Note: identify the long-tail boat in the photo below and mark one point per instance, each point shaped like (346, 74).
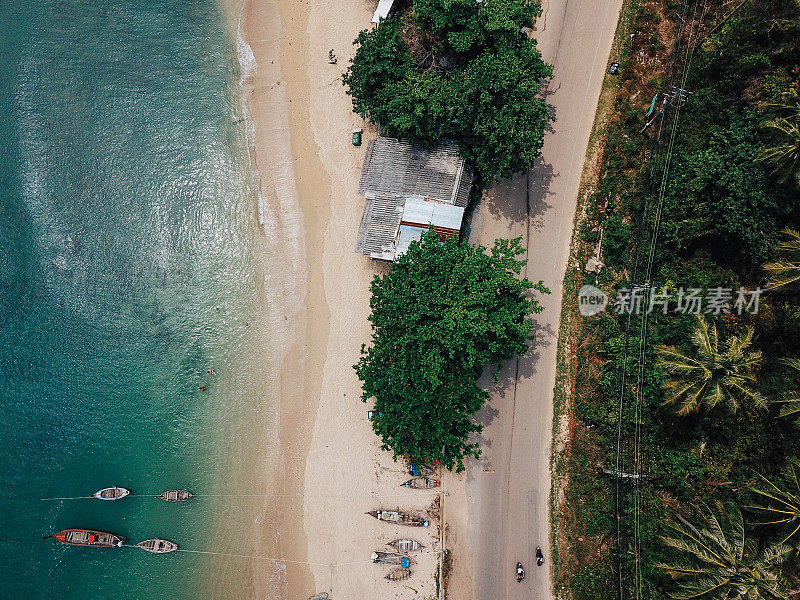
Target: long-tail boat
(405, 545)
(398, 574)
(422, 483)
(420, 470)
(157, 546)
(88, 537)
(176, 495)
(111, 493)
(391, 558)
(401, 518)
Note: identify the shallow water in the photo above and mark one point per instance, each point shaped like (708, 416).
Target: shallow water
(129, 265)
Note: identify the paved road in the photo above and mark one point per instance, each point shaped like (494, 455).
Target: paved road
(509, 486)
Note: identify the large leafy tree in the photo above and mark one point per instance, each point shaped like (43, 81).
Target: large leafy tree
(461, 69)
(780, 500)
(720, 562)
(467, 26)
(502, 116)
(440, 315)
(713, 373)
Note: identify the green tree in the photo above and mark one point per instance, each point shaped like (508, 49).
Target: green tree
(382, 63)
(786, 269)
(780, 502)
(721, 197)
(713, 373)
(460, 69)
(466, 26)
(502, 118)
(440, 315)
(720, 562)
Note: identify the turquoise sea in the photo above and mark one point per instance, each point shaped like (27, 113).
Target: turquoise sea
(129, 265)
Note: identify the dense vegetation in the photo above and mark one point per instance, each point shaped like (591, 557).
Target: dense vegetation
(460, 69)
(440, 316)
(708, 405)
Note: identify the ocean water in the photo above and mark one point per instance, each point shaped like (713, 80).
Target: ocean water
(130, 263)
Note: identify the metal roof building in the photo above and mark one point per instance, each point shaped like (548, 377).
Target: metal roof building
(407, 188)
(382, 11)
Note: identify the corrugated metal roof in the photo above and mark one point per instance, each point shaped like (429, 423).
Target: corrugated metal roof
(406, 235)
(420, 185)
(430, 212)
(400, 167)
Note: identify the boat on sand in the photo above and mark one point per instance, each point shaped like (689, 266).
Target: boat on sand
(111, 493)
(176, 495)
(405, 545)
(400, 518)
(320, 596)
(391, 558)
(398, 574)
(92, 538)
(157, 546)
(422, 483)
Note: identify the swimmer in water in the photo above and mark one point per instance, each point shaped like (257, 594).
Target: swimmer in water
(202, 388)
(211, 372)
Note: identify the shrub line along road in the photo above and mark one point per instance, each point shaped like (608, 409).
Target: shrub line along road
(508, 488)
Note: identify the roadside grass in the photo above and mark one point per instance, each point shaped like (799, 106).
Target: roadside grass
(580, 548)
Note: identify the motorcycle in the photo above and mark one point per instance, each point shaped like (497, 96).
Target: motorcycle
(520, 572)
(539, 556)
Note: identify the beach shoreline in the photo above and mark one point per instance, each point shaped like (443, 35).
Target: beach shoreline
(332, 469)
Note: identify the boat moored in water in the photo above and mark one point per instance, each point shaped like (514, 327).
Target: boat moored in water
(401, 518)
(92, 538)
(176, 495)
(157, 546)
(111, 493)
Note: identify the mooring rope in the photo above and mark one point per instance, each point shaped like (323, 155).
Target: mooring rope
(418, 493)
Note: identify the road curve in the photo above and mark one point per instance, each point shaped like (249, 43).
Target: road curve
(508, 488)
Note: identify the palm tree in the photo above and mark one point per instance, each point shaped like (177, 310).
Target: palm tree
(721, 563)
(715, 373)
(786, 269)
(784, 151)
(790, 404)
(781, 500)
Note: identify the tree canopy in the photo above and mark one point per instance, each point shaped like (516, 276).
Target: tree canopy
(460, 69)
(440, 315)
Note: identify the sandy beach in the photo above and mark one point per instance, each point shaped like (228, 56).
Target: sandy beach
(311, 209)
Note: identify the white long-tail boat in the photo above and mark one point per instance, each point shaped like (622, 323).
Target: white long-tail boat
(157, 546)
(111, 493)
